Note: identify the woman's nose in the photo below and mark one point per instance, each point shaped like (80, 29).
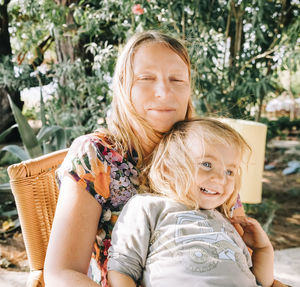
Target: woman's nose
(162, 89)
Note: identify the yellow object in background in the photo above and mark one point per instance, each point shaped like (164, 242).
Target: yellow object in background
(255, 134)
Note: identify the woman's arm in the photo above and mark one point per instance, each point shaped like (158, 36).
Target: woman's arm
(72, 236)
(263, 255)
(117, 279)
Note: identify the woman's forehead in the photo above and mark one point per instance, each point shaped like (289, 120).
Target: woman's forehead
(152, 54)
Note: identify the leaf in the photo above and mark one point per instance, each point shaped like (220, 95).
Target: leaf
(42, 106)
(17, 151)
(7, 132)
(46, 132)
(27, 134)
(5, 187)
(61, 139)
(10, 213)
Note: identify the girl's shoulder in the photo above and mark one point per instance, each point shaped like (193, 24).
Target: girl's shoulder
(154, 202)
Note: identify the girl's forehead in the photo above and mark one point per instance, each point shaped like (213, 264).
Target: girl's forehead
(204, 145)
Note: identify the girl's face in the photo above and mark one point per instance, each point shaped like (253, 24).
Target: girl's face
(217, 171)
(161, 86)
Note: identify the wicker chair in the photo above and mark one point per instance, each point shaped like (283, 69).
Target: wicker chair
(36, 193)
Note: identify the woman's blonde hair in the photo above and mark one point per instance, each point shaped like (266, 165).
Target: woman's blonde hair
(172, 171)
(124, 117)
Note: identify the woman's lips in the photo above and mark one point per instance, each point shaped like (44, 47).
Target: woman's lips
(162, 109)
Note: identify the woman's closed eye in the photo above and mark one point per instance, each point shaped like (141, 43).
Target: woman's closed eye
(176, 80)
(145, 78)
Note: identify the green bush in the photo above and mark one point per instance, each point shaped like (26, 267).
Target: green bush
(82, 98)
(234, 48)
(281, 127)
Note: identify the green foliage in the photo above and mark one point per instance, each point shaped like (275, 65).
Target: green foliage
(15, 77)
(3, 175)
(264, 212)
(82, 99)
(236, 48)
(6, 132)
(26, 132)
(4, 185)
(280, 127)
(49, 137)
(32, 143)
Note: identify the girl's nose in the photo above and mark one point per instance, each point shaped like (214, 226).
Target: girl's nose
(218, 176)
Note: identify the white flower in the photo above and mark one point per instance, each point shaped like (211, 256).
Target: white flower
(107, 215)
(100, 236)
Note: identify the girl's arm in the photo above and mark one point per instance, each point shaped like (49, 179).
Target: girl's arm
(117, 279)
(263, 255)
(239, 212)
(72, 236)
(130, 241)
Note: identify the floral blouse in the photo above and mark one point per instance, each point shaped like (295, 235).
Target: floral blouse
(111, 179)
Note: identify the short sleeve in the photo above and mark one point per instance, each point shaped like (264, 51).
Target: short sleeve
(86, 163)
(130, 239)
(238, 202)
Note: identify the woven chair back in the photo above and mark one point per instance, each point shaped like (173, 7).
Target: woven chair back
(35, 191)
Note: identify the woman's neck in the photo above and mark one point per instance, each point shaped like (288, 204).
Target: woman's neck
(148, 139)
(149, 144)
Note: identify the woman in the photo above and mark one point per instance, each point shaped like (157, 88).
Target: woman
(152, 91)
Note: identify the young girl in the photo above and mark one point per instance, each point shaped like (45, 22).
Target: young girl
(180, 234)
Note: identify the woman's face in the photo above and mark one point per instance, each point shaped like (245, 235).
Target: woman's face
(161, 86)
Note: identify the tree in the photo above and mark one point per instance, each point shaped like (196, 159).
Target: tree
(235, 48)
(6, 53)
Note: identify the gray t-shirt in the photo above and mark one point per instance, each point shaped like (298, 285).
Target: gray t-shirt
(160, 242)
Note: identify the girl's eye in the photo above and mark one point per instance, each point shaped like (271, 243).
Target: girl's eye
(229, 172)
(206, 164)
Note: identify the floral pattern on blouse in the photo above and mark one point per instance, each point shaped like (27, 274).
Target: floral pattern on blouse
(111, 179)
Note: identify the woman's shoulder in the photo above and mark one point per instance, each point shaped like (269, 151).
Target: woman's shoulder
(83, 142)
(94, 145)
(89, 154)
